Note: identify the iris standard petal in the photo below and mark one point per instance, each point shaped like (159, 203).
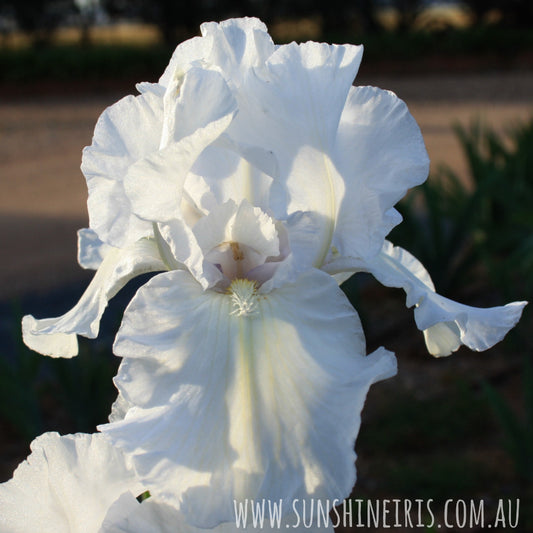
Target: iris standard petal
(182, 114)
(66, 485)
(236, 401)
(154, 185)
(293, 106)
(233, 171)
(125, 132)
(233, 47)
(57, 336)
(380, 152)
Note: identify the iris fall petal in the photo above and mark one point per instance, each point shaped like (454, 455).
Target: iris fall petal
(57, 337)
(263, 403)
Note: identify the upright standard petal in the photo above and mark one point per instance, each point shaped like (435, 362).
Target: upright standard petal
(233, 171)
(154, 185)
(125, 132)
(57, 336)
(233, 47)
(380, 152)
(446, 324)
(183, 116)
(66, 485)
(293, 106)
(242, 395)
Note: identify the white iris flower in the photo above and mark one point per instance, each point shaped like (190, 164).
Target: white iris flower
(255, 177)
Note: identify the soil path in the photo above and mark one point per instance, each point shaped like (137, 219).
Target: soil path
(43, 193)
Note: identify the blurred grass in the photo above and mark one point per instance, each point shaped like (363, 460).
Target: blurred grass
(456, 42)
(63, 63)
(40, 394)
(503, 47)
(481, 235)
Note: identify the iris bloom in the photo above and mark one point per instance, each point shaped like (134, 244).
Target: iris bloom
(254, 178)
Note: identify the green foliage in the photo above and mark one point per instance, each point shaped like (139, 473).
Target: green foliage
(19, 397)
(433, 437)
(436, 476)
(64, 62)
(459, 232)
(82, 63)
(503, 167)
(414, 426)
(39, 393)
(517, 430)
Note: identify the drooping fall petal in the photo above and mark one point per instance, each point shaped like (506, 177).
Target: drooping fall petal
(446, 324)
(57, 337)
(242, 395)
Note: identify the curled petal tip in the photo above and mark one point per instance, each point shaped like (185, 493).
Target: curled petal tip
(478, 329)
(35, 336)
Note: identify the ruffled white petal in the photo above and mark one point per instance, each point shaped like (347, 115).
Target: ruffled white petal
(446, 324)
(233, 47)
(193, 101)
(239, 45)
(119, 408)
(57, 336)
(380, 152)
(258, 404)
(183, 245)
(125, 132)
(127, 515)
(237, 238)
(66, 485)
(293, 107)
(154, 185)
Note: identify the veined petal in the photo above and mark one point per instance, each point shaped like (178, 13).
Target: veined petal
(260, 403)
(66, 485)
(57, 336)
(380, 152)
(446, 324)
(125, 132)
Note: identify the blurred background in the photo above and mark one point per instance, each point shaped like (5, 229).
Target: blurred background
(458, 427)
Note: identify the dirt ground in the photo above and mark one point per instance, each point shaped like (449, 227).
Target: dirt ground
(43, 193)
